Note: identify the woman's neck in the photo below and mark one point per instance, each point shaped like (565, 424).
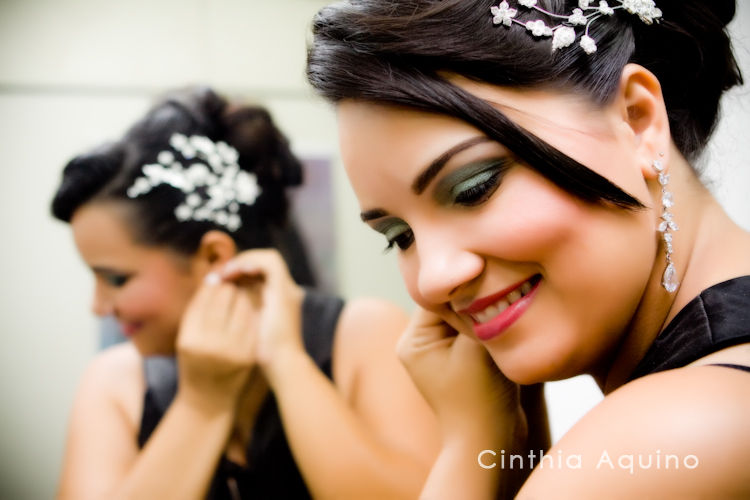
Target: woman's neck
(708, 248)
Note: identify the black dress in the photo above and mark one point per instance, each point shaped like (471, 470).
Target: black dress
(271, 471)
(717, 318)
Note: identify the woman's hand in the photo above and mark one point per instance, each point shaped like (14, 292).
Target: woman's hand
(456, 376)
(216, 344)
(477, 407)
(279, 305)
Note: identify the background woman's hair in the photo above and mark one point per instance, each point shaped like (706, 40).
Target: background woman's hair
(106, 172)
(398, 52)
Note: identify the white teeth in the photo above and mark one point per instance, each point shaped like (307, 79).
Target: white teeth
(491, 311)
(513, 296)
(501, 305)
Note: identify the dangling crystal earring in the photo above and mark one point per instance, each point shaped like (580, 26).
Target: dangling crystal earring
(667, 225)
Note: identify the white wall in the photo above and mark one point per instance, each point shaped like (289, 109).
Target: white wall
(727, 160)
(75, 72)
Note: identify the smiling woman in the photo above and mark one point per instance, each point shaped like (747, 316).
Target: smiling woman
(533, 163)
(237, 382)
(515, 215)
(159, 283)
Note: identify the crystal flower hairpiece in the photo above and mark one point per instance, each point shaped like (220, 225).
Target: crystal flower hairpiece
(213, 190)
(564, 34)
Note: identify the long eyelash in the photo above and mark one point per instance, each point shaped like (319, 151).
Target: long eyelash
(474, 191)
(117, 280)
(394, 241)
(391, 243)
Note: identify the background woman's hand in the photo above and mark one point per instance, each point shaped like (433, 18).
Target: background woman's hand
(278, 306)
(216, 344)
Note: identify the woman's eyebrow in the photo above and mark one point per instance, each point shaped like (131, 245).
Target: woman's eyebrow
(423, 179)
(106, 270)
(372, 214)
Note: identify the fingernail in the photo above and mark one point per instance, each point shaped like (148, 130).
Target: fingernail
(212, 278)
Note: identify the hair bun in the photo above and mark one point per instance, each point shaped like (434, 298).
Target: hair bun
(724, 10)
(190, 110)
(263, 149)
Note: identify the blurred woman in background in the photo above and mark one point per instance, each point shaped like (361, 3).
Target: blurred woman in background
(236, 381)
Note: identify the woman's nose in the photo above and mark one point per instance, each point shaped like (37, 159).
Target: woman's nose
(102, 304)
(444, 265)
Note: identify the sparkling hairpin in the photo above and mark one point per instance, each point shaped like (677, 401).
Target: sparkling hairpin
(564, 34)
(213, 190)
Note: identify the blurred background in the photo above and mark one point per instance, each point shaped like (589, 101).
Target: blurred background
(74, 73)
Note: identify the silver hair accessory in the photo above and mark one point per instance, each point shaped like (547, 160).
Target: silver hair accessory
(666, 226)
(564, 34)
(213, 190)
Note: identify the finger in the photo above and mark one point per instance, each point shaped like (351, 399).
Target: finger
(466, 348)
(201, 298)
(425, 331)
(263, 264)
(243, 319)
(428, 327)
(192, 324)
(278, 290)
(467, 352)
(205, 290)
(243, 264)
(218, 306)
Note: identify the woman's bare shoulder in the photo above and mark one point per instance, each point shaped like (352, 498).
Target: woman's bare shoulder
(103, 424)
(370, 320)
(115, 376)
(366, 334)
(682, 433)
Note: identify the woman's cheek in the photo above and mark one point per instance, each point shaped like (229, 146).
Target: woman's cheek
(408, 266)
(143, 301)
(527, 224)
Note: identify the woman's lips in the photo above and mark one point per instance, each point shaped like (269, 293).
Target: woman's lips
(494, 314)
(129, 329)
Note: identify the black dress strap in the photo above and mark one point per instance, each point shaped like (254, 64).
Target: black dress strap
(717, 318)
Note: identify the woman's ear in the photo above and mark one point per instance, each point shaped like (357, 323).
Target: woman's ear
(641, 107)
(215, 249)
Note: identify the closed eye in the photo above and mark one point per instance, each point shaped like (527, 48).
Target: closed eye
(116, 280)
(111, 277)
(403, 241)
(473, 184)
(396, 232)
(477, 193)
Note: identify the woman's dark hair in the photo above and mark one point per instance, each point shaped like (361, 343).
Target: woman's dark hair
(398, 52)
(106, 172)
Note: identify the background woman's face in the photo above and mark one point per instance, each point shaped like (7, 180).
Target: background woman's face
(146, 289)
(546, 281)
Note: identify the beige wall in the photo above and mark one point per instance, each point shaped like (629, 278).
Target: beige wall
(74, 72)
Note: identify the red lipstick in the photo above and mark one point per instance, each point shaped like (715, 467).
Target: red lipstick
(495, 326)
(129, 329)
